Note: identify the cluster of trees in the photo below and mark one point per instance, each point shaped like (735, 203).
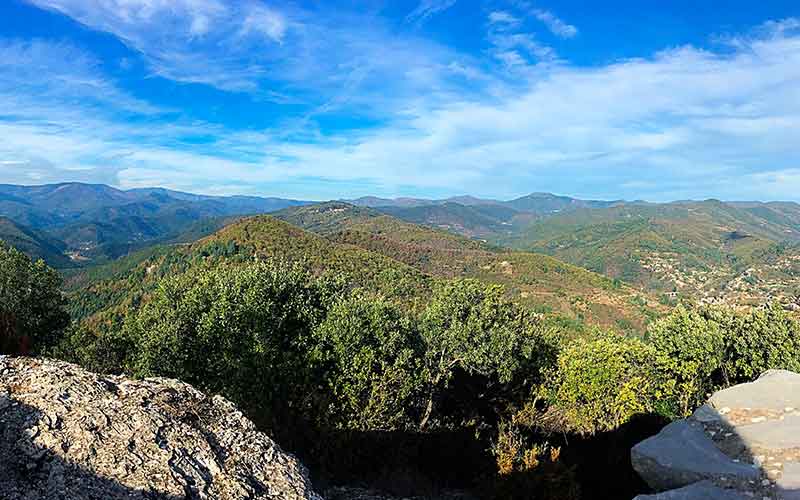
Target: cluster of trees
(601, 383)
(308, 352)
(274, 338)
(32, 308)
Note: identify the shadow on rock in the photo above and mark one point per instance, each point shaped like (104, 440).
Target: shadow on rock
(743, 443)
(29, 471)
(69, 433)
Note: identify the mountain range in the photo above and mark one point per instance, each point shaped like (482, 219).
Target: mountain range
(713, 251)
(90, 222)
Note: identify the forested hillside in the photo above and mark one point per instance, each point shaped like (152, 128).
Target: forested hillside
(696, 250)
(92, 223)
(535, 280)
(342, 353)
(709, 250)
(33, 243)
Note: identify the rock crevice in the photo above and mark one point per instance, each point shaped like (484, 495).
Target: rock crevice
(69, 433)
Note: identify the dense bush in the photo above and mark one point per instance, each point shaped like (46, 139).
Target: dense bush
(758, 340)
(599, 384)
(32, 308)
(690, 349)
(470, 331)
(368, 352)
(241, 331)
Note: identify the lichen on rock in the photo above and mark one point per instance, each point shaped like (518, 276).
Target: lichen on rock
(69, 433)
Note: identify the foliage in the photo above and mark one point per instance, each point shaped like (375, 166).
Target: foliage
(32, 314)
(690, 351)
(369, 354)
(757, 340)
(472, 329)
(600, 384)
(237, 330)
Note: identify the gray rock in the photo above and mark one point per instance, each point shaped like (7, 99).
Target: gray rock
(774, 390)
(789, 484)
(703, 490)
(682, 454)
(66, 433)
(772, 434)
(706, 414)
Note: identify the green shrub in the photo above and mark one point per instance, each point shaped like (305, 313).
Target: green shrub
(690, 349)
(242, 331)
(470, 328)
(369, 354)
(758, 340)
(32, 308)
(600, 384)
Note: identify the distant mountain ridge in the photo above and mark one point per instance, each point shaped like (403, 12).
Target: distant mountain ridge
(538, 203)
(95, 221)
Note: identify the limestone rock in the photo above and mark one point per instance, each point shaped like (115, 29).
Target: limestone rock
(746, 439)
(682, 454)
(703, 490)
(66, 433)
(773, 390)
(789, 483)
(772, 434)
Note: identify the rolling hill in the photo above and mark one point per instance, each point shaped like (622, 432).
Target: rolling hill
(537, 280)
(97, 222)
(691, 249)
(36, 245)
(104, 293)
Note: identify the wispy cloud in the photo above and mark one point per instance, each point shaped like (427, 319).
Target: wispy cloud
(193, 41)
(554, 24)
(427, 9)
(514, 48)
(666, 126)
(503, 18)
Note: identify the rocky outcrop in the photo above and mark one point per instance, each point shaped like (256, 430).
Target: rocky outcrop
(744, 443)
(66, 433)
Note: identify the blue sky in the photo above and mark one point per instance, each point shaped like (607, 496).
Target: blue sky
(324, 99)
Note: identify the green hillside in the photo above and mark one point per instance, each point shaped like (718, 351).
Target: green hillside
(112, 288)
(685, 248)
(33, 243)
(96, 223)
(533, 279)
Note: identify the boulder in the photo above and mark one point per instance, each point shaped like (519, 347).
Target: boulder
(772, 434)
(682, 454)
(773, 390)
(69, 433)
(702, 490)
(788, 485)
(744, 441)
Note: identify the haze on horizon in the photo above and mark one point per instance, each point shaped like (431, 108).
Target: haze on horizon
(426, 98)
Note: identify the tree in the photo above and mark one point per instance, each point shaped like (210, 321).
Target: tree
(242, 331)
(758, 340)
(470, 328)
(369, 353)
(600, 384)
(690, 349)
(32, 307)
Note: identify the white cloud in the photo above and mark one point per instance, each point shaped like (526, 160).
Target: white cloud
(502, 17)
(554, 24)
(685, 122)
(557, 26)
(427, 9)
(193, 41)
(260, 19)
